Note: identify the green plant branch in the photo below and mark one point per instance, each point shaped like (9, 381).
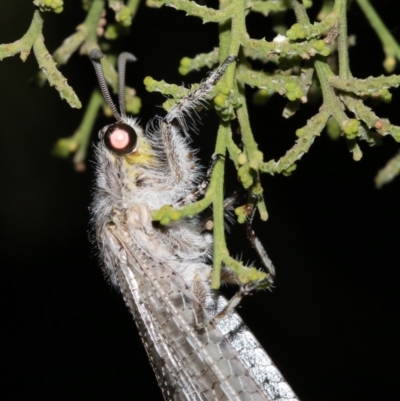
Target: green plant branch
(306, 76)
(176, 91)
(390, 45)
(389, 172)
(238, 21)
(56, 6)
(224, 31)
(85, 35)
(34, 39)
(54, 76)
(248, 172)
(219, 245)
(266, 7)
(234, 152)
(133, 6)
(208, 60)
(24, 45)
(249, 162)
(191, 8)
(124, 13)
(341, 95)
(86, 39)
(78, 143)
(340, 9)
(375, 87)
(365, 114)
(234, 11)
(331, 101)
(221, 253)
(304, 50)
(306, 136)
(309, 31)
(273, 83)
(256, 55)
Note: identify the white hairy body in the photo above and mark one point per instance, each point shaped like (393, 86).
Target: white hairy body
(131, 191)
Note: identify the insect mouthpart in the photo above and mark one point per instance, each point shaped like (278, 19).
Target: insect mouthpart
(121, 139)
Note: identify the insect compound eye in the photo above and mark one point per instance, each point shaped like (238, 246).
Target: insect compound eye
(120, 138)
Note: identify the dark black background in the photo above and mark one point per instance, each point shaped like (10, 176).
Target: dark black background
(331, 323)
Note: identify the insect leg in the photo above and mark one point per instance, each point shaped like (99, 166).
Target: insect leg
(228, 308)
(197, 97)
(256, 243)
(202, 187)
(181, 167)
(229, 277)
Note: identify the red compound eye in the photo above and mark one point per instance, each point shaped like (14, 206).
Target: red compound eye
(120, 138)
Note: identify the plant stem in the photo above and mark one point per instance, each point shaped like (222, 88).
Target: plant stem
(218, 204)
(390, 46)
(343, 53)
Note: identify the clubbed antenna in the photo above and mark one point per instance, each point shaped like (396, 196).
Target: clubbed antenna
(95, 55)
(122, 59)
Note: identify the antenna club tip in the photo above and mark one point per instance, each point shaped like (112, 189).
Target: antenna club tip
(125, 56)
(95, 54)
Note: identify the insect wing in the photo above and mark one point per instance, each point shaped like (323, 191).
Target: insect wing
(254, 357)
(190, 364)
(170, 376)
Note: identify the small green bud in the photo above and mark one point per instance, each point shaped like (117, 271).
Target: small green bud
(112, 32)
(220, 99)
(50, 5)
(245, 177)
(183, 70)
(386, 96)
(319, 45)
(258, 155)
(325, 52)
(350, 128)
(133, 105)
(124, 16)
(298, 92)
(290, 86)
(395, 131)
(389, 64)
(296, 32)
(289, 170)
(185, 65)
(333, 129)
(293, 91)
(175, 215)
(260, 97)
(148, 82)
(258, 190)
(164, 221)
(242, 159)
(224, 89)
(64, 147)
(186, 62)
(241, 214)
